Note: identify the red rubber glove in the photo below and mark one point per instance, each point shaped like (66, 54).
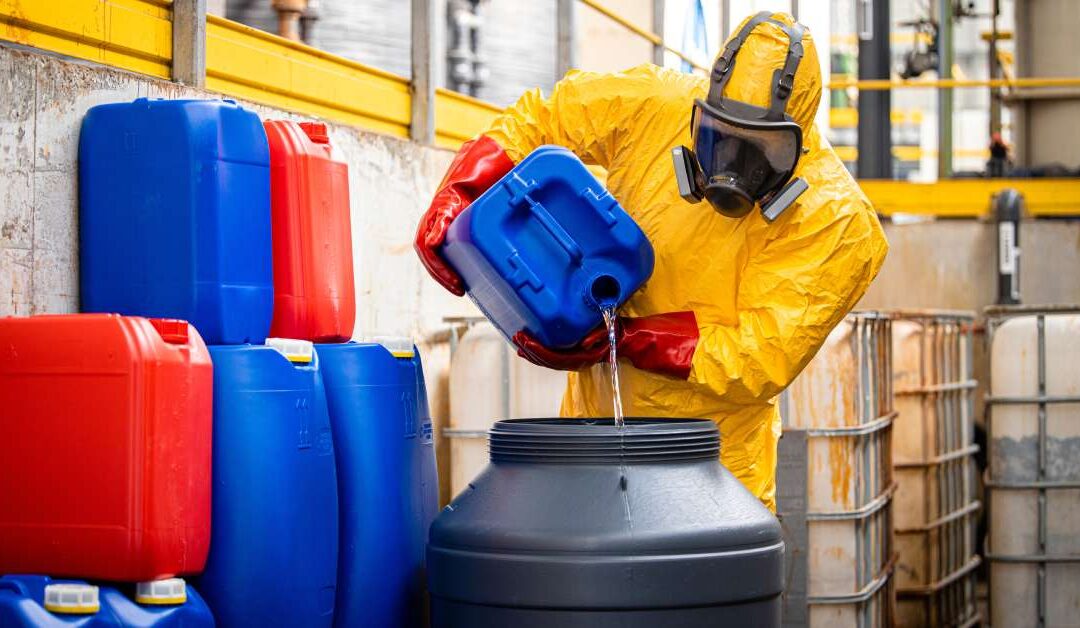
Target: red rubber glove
(478, 165)
(662, 343)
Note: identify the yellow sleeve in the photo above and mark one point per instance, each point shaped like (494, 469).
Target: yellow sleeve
(804, 279)
(589, 113)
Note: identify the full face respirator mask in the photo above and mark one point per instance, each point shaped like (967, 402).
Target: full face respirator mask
(743, 154)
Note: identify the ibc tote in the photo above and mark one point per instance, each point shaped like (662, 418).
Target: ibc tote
(933, 447)
(1033, 493)
(834, 481)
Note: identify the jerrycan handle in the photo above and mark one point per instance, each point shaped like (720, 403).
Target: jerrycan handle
(172, 330)
(519, 195)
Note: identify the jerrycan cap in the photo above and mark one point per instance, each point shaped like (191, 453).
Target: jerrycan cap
(72, 598)
(295, 351)
(172, 330)
(316, 132)
(398, 346)
(167, 592)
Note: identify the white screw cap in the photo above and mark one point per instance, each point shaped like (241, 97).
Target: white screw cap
(398, 346)
(295, 351)
(167, 592)
(72, 599)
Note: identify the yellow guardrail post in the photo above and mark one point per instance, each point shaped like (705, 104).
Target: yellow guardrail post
(189, 42)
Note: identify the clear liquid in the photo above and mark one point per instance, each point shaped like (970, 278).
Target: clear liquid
(613, 366)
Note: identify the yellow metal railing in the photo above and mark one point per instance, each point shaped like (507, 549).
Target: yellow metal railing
(459, 118)
(1014, 83)
(848, 117)
(970, 198)
(914, 153)
(132, 34)
(258, 66)
(254, 65)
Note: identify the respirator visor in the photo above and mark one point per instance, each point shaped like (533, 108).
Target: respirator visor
(757, 156)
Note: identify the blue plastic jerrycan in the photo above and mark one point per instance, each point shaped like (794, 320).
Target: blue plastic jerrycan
(42, 602)
(547, 246)
(387, 481)
(274, 521)
(174, 215)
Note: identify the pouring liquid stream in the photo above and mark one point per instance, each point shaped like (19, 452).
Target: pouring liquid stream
(613, 365)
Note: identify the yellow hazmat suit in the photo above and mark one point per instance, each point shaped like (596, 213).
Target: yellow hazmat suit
(765, 295)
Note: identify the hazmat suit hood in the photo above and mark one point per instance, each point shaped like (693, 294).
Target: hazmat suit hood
(764, 52)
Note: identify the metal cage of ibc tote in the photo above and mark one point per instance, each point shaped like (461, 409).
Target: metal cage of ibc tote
(835, 482)
(1033, 492)
(933, 451)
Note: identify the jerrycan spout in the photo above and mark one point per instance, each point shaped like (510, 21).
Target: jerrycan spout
(603, 292)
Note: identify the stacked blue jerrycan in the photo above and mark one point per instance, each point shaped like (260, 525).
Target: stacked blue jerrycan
(387, 482)
(174, 215)
(546, 247)
(28, 601)
(274, 528)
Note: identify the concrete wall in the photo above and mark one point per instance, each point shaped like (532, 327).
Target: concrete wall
(952, 264)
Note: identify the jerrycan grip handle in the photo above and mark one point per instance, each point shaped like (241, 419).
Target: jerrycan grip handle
(544, 217)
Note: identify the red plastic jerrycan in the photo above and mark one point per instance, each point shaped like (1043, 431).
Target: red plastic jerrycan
(105, 447)
(314, 294)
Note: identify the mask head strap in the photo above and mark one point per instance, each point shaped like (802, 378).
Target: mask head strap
(783, 79)
(725, 63)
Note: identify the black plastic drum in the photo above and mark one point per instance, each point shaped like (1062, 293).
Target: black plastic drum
(578, 524)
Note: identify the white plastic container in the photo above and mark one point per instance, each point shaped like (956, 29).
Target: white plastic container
(489, 382)
(835, 481)
(1034, 451)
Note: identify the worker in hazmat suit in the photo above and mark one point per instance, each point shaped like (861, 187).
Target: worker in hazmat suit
(748, 284)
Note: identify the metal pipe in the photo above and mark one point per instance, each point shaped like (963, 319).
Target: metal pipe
(466, 70)
(1008, 207)
(1014, 83)
(308, 21)
(995, 69)
(945, 96)
(289, 12)
(874, 137)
